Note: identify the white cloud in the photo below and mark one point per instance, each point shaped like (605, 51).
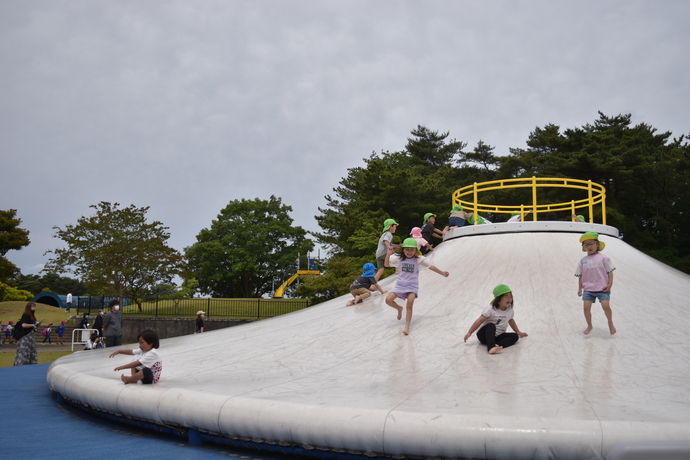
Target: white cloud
(184, 106)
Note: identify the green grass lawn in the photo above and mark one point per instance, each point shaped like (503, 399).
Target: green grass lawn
(183, 308)
(7, 358)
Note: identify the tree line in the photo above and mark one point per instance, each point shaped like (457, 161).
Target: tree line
(252, 245)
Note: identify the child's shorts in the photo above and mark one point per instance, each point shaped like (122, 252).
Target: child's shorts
(363, 293)
(591, 296)
(148, 375)
(456, 222)
(380, 261)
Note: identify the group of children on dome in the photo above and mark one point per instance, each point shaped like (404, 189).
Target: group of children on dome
(594, 273)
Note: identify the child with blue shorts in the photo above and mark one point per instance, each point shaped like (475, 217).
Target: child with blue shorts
(594, 279)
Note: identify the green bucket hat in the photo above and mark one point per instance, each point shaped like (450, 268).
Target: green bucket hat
(580, 217)
(427, 215)
(592, 236)
(387, 224)
(457, 207)
(410, 243)
(500, 290)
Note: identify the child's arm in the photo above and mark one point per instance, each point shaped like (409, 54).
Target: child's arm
(131, 365)
(388, 256)
(475, 326)
(513, 326)
(579, 286)
(122, 352)
(434, 269)
(608, 286)
(378, 287)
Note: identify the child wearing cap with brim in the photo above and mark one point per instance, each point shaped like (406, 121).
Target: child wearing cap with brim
(406, 287)
(385, 243)
(494, 321)
(199, 323)
(594, 275)
(363, 286)
(457, 218)
(416, 233)
(428, 229)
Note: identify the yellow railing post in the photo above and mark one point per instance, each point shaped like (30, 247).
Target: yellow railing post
(534, 197)
(572, 211)
(476, 215)
(589, 200)
(603, 208)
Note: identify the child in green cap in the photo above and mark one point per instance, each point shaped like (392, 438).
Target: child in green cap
(494, 321)
(385, 243)
(594, 279)
(428, 229)
(457, 218)
(407, 285)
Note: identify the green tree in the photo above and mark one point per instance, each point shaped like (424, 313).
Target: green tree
(646, 176)
(117, 252)
(11, 238)
(50, 281)
(249, 249)
(400, 185)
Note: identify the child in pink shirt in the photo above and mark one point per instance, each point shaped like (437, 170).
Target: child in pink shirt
(594, 279)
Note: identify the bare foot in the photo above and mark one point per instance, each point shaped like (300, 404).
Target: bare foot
(400, 310)
(406, 332)
(349, 303)
(125, 379)
(495, 350)
(587, 331)
(612, 329)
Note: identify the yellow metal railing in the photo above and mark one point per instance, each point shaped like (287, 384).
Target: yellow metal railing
(468, 197)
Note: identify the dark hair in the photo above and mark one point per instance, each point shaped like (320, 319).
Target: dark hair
(149, 336)
(113, 303)
(401, 253)
(27, 311)
(497, 300)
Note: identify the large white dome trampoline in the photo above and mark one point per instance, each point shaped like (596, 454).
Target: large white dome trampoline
(346, 381)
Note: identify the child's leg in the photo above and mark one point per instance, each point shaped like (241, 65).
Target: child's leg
(588, 316)
(134, 378)
(609, 315)
(390, 301)
(507, 339)
(408, 312)
(487, 336)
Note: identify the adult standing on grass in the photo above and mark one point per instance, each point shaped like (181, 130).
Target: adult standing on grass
(24, 335)
(112, 325)
(69, 301)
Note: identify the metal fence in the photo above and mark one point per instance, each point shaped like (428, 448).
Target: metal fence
(213, 308)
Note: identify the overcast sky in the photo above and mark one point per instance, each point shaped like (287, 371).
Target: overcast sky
(184, 106)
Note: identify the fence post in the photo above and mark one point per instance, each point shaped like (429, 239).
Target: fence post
(258, 308)
(157, 297)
